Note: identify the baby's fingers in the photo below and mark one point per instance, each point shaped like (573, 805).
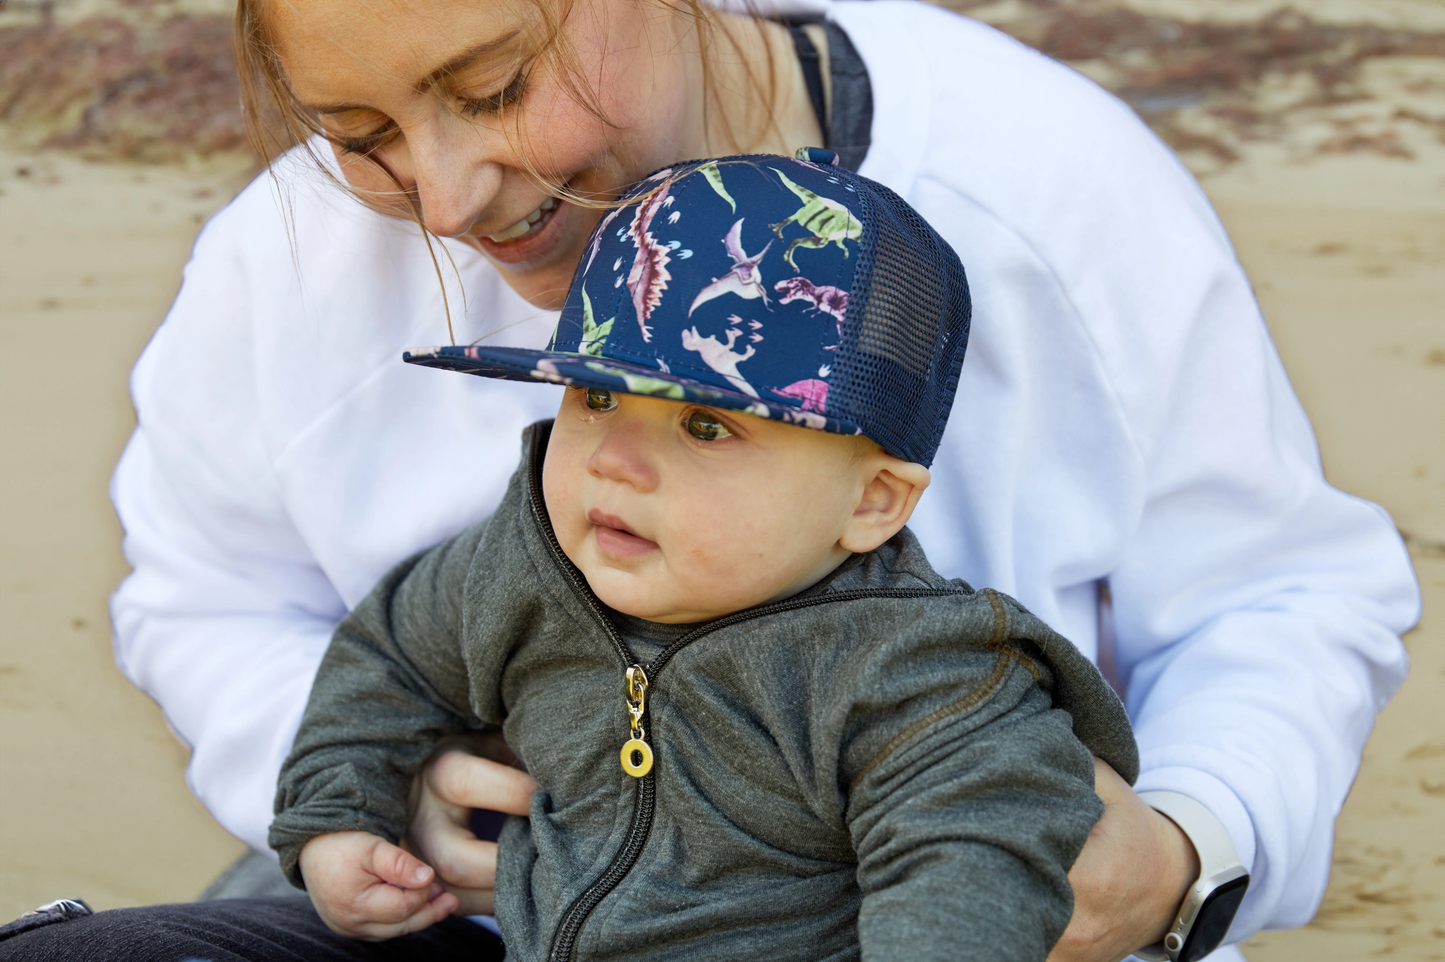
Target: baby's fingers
(385, 911)
(396, 865)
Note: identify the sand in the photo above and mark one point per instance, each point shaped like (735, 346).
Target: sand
(92, 798)
(1346, 250)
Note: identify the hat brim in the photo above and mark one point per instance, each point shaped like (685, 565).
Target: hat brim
(607, 374)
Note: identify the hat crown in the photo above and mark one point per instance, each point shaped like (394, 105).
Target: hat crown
(784, 288)
(812, 289)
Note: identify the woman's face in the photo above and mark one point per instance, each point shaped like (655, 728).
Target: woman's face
(457, 100)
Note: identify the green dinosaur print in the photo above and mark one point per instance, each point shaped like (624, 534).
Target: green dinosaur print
(714, 177)
(641, 383)
(826, 220)
(594, 335)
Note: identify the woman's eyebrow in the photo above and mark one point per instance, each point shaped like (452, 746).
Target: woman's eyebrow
(464, 60)
(458, 63)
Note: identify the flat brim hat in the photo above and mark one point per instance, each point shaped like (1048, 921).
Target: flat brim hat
(782, 288)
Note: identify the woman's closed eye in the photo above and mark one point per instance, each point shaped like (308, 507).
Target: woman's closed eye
(367, 144)
(495, 103)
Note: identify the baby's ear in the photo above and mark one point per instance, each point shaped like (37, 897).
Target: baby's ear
(891, 491)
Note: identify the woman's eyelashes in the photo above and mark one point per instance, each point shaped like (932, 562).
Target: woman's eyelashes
(506, 97)
(471, 107)
(369, 143)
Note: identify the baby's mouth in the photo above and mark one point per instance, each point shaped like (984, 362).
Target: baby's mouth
(526, 225)
(615, 538)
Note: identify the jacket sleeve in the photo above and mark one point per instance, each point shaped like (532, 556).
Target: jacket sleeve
(392, 684)
(966, 812)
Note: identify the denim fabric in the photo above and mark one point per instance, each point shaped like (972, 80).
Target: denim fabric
(238, 930)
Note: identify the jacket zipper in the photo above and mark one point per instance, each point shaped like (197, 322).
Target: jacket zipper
(565, 940)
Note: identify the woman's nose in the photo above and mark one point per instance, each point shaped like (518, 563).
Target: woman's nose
(625, 455)
(453, 177)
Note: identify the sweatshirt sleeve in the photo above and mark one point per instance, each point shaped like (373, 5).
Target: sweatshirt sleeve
(392, 684)
(966, 811)
(227, 612)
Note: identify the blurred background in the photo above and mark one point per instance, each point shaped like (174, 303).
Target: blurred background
(1317, 127)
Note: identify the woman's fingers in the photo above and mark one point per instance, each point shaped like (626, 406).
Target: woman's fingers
(440, 832)
(462, 860)
(473, 901)
(471, 782)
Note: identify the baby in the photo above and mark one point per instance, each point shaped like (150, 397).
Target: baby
(761, 725)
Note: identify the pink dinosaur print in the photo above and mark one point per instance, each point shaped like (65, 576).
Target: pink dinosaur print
(648, 277)
(830, 300)
(597, 236)
(812, 392)
(721, 357)
(743, 280)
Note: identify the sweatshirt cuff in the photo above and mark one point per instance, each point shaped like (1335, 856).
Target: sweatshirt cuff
(1214, 795)
(295, 827)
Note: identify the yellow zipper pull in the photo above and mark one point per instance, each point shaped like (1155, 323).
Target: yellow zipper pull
(636, 755)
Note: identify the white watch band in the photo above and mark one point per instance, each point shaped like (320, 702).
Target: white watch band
(1218, 861)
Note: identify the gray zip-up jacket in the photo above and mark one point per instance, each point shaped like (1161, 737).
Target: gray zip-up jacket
(890, 765)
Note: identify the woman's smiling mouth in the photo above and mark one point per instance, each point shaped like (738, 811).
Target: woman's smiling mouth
(536, 238)
(534, 220)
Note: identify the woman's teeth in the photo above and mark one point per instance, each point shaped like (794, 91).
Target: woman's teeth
(526, 223)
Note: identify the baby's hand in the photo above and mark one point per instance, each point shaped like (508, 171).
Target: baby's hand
(367, 888)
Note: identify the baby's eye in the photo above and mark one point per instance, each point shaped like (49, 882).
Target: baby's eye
(599, 400)
(706, 427)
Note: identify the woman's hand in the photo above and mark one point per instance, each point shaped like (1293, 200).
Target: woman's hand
(1129, 880)
(452, 784)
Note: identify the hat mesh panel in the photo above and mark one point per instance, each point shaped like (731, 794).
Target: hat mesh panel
(907, 322)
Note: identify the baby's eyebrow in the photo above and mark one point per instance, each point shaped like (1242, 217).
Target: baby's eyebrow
(464, 60)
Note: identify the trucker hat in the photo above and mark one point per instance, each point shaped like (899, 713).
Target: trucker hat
(785, 288)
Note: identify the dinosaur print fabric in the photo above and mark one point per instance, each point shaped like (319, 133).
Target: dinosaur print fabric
(729, 283)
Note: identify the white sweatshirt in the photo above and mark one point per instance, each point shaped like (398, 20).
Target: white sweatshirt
(1122, 420)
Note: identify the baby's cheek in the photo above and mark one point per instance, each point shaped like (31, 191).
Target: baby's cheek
(735, 558)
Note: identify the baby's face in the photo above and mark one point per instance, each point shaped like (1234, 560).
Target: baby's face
(679, 513)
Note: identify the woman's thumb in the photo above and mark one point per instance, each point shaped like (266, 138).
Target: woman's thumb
(397, 866)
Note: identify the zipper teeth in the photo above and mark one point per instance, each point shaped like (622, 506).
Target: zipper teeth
(572, 920)
(579, 910)
(539, 511)
(565, 940)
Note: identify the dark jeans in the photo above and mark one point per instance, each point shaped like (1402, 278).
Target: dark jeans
(238, 930)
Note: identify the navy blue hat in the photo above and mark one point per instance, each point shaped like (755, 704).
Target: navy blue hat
(782, 288)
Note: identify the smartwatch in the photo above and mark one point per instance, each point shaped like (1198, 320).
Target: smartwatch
(1214, 898)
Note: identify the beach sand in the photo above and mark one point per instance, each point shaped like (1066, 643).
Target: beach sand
(1345, 247)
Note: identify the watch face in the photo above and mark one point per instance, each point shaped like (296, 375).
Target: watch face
(1211, 923)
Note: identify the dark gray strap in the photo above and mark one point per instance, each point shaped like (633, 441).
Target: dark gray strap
(850, 128)
(812, 66)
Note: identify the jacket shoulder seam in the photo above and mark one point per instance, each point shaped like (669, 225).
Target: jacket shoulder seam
(1007, 656)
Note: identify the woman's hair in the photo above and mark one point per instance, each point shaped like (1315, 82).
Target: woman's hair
(276, 119)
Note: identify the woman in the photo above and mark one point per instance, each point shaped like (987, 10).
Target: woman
(1124, 428)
